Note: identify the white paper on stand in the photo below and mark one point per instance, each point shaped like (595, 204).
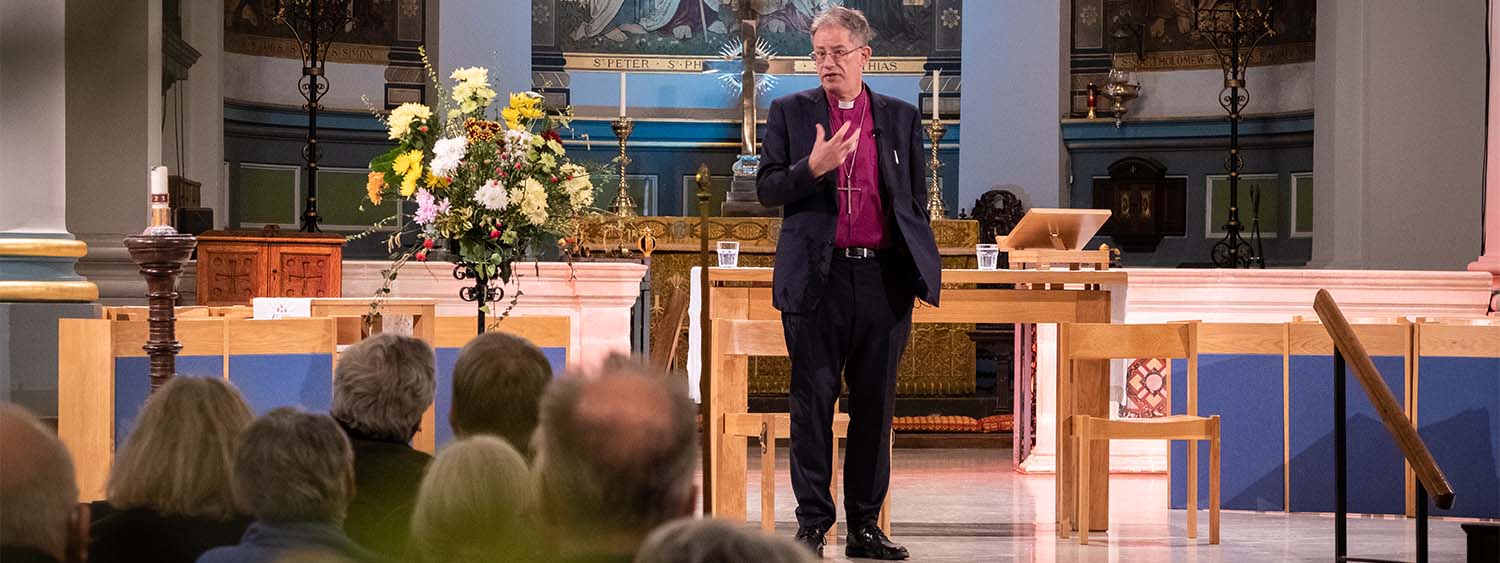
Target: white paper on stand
(282, 307)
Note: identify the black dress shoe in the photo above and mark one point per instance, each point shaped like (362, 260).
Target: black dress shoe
(870, 542)
(811, 538)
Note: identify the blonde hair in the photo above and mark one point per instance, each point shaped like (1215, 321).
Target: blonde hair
(180, 457)
(469, 504)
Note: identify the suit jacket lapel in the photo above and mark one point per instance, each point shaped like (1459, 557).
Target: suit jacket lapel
(880, 116)
(820, 110)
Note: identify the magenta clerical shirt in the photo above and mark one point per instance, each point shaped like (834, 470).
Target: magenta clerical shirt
(862, 220)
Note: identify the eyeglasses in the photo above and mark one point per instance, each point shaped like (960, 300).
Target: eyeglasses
(837, 54)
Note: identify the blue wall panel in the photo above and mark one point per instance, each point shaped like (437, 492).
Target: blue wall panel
(557, 357)
(1246, 392)
(1375, 465)
(133, 384)
(268, 381)
(1458, 415)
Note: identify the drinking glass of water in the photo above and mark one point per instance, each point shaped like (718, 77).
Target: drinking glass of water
(729, 254)
(988, 254)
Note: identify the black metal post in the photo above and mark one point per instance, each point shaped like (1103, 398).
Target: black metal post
(312, 70)
(315, 26)
(481, 286)
(1421, 523)
(1340, 462)
(1232, 229)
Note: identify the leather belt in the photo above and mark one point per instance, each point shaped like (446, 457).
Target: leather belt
(856, 252)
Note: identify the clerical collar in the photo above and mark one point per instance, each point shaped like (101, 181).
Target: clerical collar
(849, 104)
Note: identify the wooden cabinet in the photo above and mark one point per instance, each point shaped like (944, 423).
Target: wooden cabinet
(235, 266)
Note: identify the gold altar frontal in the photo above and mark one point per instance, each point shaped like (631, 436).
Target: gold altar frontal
(940, 357)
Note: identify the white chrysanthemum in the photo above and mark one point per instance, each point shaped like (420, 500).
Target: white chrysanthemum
(516, 143)
(492, 195)
(473, 74)
(578, 185)
(446, 154)
(531, 199)
(403, 116)
(472, 96)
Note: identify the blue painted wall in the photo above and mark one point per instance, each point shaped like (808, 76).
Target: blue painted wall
(1012, 84)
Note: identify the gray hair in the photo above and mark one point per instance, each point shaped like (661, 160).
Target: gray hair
(848, 18)
(498, 382)
(469, 505)
(615, 452)
(38, 497)
(710, 540)
(383, 385)
(294, 466)
(179, 459)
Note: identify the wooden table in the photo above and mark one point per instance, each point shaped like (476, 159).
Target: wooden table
(742, 323)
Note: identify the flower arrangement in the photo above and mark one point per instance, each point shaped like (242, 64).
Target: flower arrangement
(494, 183)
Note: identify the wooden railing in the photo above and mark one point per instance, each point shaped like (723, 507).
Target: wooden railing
(1430, 478)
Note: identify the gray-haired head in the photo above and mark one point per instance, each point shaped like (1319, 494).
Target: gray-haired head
(498, 382)
(470, 503)
(615, 453)
(179, 458)
(711, 540)
(383, 385)
(38, 497)
(294, 466)
(848, 18)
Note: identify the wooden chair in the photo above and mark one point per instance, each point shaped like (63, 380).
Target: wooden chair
(1125, 341)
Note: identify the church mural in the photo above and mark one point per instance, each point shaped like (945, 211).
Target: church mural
(250, 28)
(1159, 35)
(678, 35)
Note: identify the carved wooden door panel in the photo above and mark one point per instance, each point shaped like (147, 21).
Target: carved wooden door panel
(230, 274)
(306, 271)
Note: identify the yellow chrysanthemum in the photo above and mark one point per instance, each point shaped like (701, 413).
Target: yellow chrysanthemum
(409, 182)
(523, 100)
(436, 181)
(407, 161)
(374, 186)
(512, 117)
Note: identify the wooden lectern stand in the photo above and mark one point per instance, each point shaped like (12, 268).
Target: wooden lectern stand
(1047, 237)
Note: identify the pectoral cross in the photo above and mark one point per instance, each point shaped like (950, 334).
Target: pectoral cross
(848, 197)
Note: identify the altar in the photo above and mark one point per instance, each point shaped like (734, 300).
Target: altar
(596, 297)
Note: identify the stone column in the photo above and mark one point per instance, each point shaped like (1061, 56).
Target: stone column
(114, 133)
(38, 284)
(1489, 261)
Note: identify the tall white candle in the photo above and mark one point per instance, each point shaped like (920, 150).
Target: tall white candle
(937, 74)
(622, 94)
(159, 180)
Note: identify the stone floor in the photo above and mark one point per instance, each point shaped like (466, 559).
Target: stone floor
(968, 505)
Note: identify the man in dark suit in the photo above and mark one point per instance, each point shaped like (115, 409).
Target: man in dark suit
(855, 249)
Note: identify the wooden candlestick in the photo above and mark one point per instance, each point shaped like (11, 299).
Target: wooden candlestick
(160, 258)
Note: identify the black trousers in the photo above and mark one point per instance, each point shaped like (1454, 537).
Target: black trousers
(859, 328)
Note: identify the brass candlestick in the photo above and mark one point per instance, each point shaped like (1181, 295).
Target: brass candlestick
(935, 208)
(624, 205)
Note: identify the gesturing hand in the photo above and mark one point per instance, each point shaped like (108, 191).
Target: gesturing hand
(830, 153)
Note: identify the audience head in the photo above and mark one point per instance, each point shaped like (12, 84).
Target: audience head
(383, 385)
(711, 540)
(497, 388)
(38, 496)
(179, 459)
(470, 502)
(615, 455)
(294, 467)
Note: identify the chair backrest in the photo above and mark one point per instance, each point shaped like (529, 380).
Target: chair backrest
(1100, 341)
